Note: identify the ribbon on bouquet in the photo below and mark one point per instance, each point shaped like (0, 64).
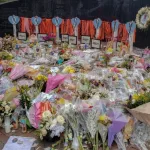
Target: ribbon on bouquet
(14, 20)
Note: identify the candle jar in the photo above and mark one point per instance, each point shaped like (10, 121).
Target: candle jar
(7, 124)
(23, 122)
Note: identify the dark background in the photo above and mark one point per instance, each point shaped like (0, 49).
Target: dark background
(124, 10)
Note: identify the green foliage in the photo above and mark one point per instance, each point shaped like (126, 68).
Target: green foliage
(25, 99)
(5, 56)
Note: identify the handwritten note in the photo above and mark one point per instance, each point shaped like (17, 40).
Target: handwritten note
(22, 36)
(27, 143)
(65, 38)
(85, 39)
(73, 40)
(96, 44)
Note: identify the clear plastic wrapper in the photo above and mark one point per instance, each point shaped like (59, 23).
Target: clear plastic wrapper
(119, 141)
(5, 84)
(103, 131)
(43, 97)
(25, 82)
(141, 136)
(41, 61)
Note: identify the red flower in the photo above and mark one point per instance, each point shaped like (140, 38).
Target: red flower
(62, 51)
(91, 107)
(8, 70)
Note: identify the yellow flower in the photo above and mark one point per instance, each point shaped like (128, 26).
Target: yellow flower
(61, 101)
(102, 118)
(11, 64)
(69, 69)
(135, 97)
(41, 78)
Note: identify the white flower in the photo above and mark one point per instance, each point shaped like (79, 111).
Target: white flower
(43, 132)
(54, 122)
(4, 103)
(46, 115)
(60, 119)
(7, 108)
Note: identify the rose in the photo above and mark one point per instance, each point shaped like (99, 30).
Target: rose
(60, 119)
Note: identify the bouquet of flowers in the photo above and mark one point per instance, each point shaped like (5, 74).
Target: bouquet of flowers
(138, 99)
(18, 71)
(39, 82)
(25, 99)
(5, 108)
(50, 122)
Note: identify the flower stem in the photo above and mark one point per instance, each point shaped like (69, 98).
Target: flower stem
(97, 141)
(80, 143)
(94, 144)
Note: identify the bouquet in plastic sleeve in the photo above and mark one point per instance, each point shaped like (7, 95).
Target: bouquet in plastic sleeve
(70, 114)
(18, 71)
(50, 123)
(55, 81)
(36, 110)
(118, 123)
(5, 108)
(40, 80)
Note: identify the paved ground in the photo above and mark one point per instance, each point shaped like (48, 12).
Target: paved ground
(41, 144)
